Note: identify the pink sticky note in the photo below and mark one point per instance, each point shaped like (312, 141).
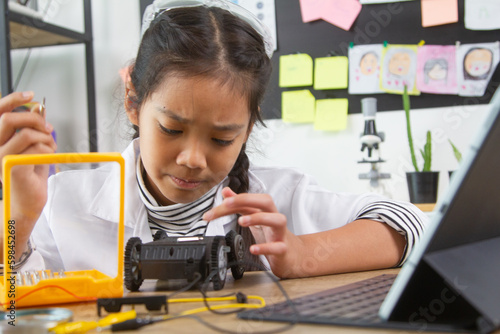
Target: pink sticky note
(341, 13)
(311, 10)
(437, 12)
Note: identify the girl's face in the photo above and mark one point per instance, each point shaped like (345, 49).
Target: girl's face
(437, 72)
(191, 133)
(369, 64)
(478, 62)
(399, 64)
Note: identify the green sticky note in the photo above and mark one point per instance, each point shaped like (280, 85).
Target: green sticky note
(331, 114)
(296, 70)
(298, 106)
(330, 73)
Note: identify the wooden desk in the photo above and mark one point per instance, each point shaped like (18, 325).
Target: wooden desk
(252, 283)
(426, 207)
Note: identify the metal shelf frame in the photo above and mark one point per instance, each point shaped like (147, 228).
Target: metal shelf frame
(20, 31)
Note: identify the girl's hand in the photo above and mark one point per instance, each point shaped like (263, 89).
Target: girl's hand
(269, 228)
(25, 133)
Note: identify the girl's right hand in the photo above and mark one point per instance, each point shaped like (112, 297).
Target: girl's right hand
(25, 133)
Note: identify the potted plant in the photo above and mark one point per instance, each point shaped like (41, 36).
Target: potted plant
(422, 183)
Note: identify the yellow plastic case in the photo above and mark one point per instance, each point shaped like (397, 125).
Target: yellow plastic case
(75, 286)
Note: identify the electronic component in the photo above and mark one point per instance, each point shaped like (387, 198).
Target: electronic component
(152, 303)
(85, 326)
(168, 258)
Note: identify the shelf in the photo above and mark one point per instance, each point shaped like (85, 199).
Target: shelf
(28, 32)
(20, 31)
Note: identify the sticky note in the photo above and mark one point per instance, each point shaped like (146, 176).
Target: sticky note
(330, 73)
(341, 13)
(482, 14)
(296, 70)
(438, 12)
(311, 10)
(331, 114)
(298, 106)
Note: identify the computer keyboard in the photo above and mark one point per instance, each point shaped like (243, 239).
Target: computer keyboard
(354, 304)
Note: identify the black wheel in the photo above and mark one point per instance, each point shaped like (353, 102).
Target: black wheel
(236, 255)
(160, 234)
(132, 264)
(218, 262)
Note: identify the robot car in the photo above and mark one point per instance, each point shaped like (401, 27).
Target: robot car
(168, 258)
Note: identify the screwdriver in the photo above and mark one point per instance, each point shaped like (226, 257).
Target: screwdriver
(41, 108)
(84, 326)
(131, 324)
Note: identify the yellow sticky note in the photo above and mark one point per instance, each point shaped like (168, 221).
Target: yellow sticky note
(331, 114)
(438, 12)
(296, 70)
(298, 106)
(330, 73)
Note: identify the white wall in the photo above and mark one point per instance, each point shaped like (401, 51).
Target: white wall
(332, 157)
(58, 74)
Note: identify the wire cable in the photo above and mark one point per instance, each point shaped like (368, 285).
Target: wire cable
(240, 306)
(192, 313)
(274, 279)
(187, 287)
(78, 298)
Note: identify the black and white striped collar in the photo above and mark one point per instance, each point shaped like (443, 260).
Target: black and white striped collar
(176, 219)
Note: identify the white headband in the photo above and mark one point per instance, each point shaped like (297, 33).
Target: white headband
(159, 6)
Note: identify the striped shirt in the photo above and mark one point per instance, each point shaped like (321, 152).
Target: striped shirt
(399, 218)
(183, 219)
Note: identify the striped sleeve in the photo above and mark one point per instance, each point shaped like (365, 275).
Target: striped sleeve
(401, 217)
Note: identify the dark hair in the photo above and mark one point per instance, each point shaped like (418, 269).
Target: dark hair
(429, 65)
(467, 75)
(205, 41)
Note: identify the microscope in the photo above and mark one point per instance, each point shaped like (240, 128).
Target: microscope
(370, 143)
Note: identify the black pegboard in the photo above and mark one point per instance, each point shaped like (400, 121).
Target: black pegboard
(395, 23)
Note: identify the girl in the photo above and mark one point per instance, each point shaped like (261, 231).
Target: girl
(193, 97)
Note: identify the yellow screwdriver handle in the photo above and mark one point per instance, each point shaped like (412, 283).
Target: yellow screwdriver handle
(115, 318)
(74, 327)
(85, 326)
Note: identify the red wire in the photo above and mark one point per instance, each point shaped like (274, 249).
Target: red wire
(55, 286)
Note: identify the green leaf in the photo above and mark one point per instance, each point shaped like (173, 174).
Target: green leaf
(456, 152)
(406, 106)
(427, 153)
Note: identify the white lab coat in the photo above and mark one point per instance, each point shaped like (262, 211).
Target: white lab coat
(78, 227)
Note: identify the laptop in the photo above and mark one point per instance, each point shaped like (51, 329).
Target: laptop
(451, 280)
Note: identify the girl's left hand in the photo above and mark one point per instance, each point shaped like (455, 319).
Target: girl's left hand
(268, 226)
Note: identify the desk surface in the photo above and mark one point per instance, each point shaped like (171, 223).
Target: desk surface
(252, 283)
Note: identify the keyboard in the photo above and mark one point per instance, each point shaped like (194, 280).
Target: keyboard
(354, 304)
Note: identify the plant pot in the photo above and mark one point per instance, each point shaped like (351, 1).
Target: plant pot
(422, 186)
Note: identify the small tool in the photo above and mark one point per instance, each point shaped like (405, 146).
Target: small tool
(85, 326)
(41, 110)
